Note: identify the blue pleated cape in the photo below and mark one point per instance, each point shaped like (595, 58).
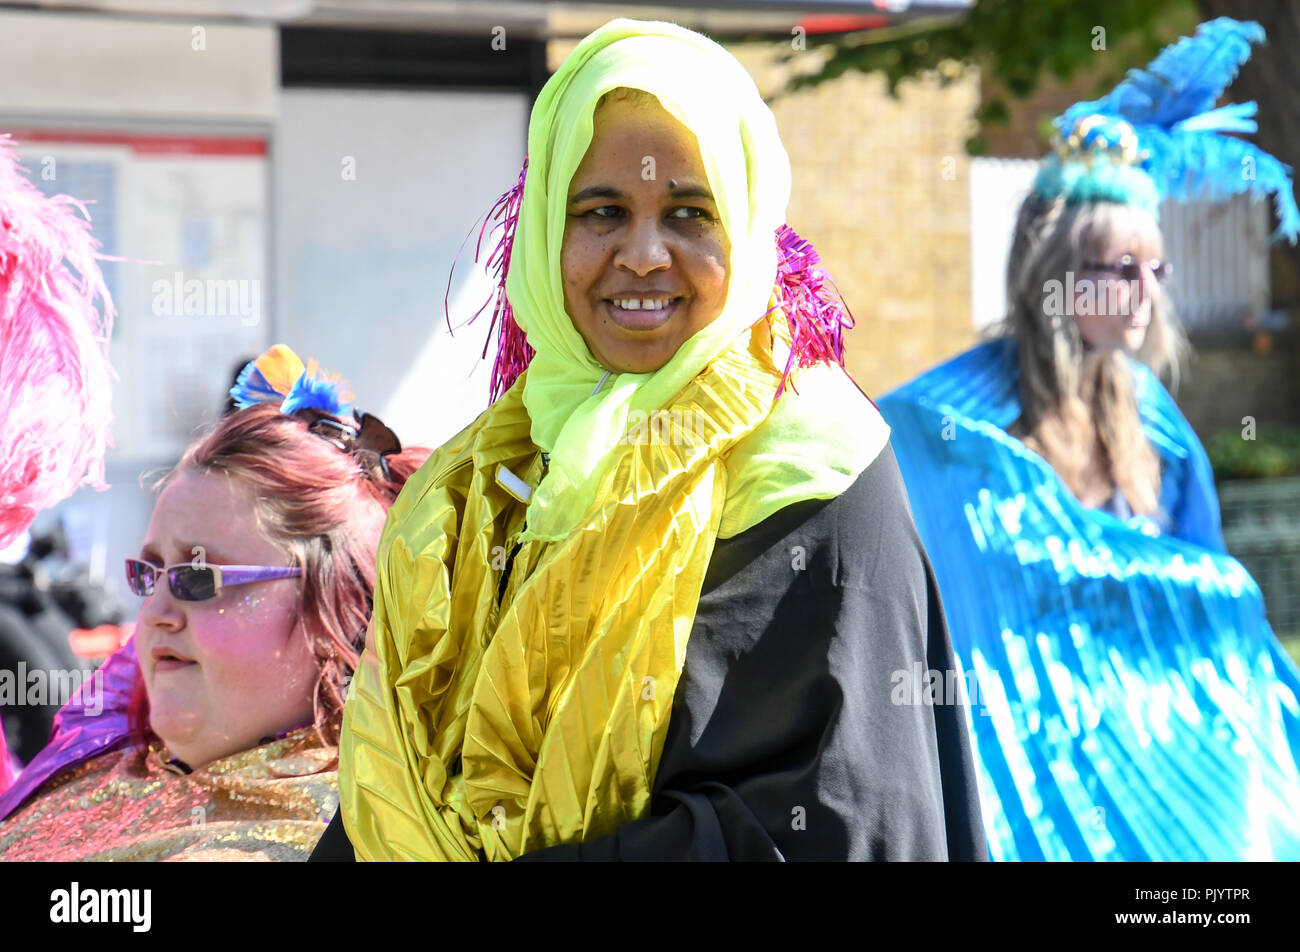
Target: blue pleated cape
(1132, 701)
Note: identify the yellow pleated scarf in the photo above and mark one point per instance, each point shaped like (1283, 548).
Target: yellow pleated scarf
(477, 731)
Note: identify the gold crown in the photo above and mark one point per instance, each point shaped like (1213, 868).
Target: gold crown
(1075, 145)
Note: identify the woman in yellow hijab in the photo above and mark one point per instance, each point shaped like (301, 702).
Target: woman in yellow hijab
(660, 600)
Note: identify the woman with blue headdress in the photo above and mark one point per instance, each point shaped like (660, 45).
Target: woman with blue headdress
(1132, 702)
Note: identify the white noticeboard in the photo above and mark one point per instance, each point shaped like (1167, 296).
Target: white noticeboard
(188, 217)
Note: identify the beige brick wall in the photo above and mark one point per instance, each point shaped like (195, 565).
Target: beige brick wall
(882, 189)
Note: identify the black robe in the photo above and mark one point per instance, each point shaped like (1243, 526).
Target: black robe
(785, 740)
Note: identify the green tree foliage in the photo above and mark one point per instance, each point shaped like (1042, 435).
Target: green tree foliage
(1014, 43)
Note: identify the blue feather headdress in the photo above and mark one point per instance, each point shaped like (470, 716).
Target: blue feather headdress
(279, 376)
(1158, 135)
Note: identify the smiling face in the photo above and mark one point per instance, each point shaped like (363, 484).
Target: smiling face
(221, 674)
(1113, 313)
(646, 260)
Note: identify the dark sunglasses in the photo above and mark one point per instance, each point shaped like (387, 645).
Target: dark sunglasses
(1130, 269)
(369, 442)
(197, 583)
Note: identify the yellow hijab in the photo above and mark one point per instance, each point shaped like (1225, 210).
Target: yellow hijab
(817, 443)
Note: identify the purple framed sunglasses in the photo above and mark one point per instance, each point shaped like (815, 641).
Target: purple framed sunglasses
(197, 583)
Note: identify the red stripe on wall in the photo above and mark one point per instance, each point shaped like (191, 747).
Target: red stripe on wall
(149, 144)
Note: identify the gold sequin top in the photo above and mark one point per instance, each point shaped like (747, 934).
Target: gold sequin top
(269, 803)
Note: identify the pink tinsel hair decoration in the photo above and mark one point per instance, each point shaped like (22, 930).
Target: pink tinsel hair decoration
(513, 352)
(816, 314)
(55, 378)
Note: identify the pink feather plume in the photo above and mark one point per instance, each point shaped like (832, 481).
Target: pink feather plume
(55, 377)
(513, 352)
(817, 314)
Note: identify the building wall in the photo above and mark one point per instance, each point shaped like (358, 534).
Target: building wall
(364, 263)
(55, 65)
(882, 189)
(1226, 382)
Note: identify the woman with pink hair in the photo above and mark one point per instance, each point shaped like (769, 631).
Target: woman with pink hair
(215, 729)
